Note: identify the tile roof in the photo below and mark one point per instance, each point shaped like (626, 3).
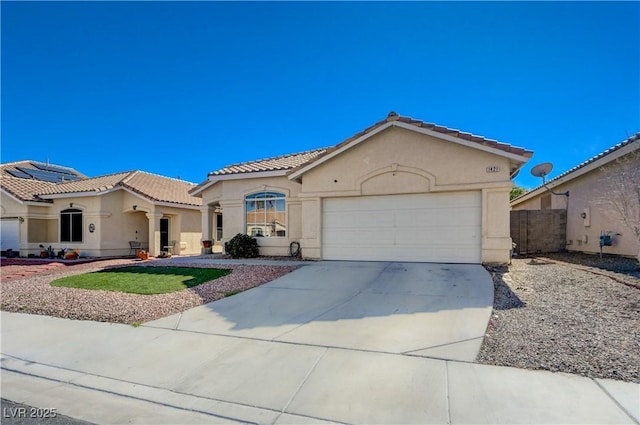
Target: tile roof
(152, 186)
(630, 140)
(161, 189)
(28, 164)
(298, 160)
(24, 189)
(96, 184)
(609, 151)
(284, 162)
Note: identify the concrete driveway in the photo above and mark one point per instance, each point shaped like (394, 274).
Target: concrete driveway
(432, 310)
(329, 343)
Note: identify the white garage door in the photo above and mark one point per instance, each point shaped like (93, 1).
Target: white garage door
(9, 234)
(442, 227)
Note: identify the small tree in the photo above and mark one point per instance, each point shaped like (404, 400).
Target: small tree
(622, 190)
(517, 191)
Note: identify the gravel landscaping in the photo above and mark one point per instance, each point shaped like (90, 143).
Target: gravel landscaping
(566, 313)
(34, 294)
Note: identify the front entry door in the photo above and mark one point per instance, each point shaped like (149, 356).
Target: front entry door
(164, 233)
(219, 227)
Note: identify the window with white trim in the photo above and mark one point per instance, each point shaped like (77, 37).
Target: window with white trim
(71, 225)
(266, 214)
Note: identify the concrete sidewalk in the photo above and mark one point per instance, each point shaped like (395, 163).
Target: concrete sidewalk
(111, 373)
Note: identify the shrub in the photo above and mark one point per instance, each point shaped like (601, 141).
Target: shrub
(242, 246)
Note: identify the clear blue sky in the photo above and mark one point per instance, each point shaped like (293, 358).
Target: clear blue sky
(181, 89)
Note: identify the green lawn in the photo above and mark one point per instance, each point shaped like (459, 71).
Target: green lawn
(142, 280)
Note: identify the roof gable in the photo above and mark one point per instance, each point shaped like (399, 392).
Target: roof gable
(518, 155)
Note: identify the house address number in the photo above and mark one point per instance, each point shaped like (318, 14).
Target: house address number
(493, 169)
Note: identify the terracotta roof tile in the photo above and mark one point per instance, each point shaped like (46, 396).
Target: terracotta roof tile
(96, 184)
(293, 162)
(284, 162)
(24, 189)
(161, 189)
(152, 186)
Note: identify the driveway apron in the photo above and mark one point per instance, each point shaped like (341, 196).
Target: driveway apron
(433, 310)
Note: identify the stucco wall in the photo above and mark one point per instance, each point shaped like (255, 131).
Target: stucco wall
(113, 218)
(422, 163)
(230, 195)
(402, 161)
(392, 162)
(589, 194)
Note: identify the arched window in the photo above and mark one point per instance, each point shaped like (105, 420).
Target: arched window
(71, 225)
(266, 214)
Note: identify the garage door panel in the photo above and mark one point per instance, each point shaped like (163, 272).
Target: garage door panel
(443, 227)
(436, 236)
(350, 220)
(360, 238)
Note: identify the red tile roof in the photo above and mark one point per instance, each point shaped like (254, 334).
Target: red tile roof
(24, 189)
(299, 160)
(284, 162)
(154, 187)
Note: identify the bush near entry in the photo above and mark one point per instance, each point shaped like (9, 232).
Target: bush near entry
(242, 246)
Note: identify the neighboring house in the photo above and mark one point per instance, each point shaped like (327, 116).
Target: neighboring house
(59, 207)
(401, 190)
(593, 187)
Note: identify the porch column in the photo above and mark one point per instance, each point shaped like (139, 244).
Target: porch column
(154, 233)
(206, 216)
(207, 222)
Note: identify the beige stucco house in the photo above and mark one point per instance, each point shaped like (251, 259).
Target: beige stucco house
(401, 190)
(56, 206)
(595, 186)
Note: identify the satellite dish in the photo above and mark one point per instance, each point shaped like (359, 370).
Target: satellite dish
(542, 170)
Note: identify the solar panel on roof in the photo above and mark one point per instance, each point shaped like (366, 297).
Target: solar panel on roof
(20, 174)
(48, 176)
(55, 169)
